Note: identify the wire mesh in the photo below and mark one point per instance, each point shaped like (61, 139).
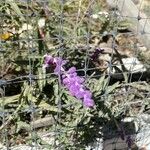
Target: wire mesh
(38, 111)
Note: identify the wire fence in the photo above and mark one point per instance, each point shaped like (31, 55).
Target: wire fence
(74, 74)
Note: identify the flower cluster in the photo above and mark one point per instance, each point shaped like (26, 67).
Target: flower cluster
(74, 84)
(70, 79)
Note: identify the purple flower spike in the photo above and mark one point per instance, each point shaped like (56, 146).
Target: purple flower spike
(70, 79)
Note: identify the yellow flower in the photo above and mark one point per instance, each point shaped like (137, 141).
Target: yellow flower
(5, 36)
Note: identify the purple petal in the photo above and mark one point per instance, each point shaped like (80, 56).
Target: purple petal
(74, 88)
(57, 70)
(73, 75)
(87, 94)
(88, 102)
(80, 93)
(71, 70)
(59, 64)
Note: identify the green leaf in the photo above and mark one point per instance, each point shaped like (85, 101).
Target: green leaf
(124, 25)
(100, 84)
(22, 125)
(8, 100)
(71, 100)
(112, 87)
(26, 89)
(15, 7)
(18, 68)
(41, 81)
(46, 106)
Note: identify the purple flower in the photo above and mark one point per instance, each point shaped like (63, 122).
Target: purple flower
(59, 65)
(56, 63)
(48, 60)
(70, 79)
(74, 84)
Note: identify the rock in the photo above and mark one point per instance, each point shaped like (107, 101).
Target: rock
(141, 48)
(143, 135)
(96, 146)
(2, 147)
(132, 65)
(138, 129)
(103, 45)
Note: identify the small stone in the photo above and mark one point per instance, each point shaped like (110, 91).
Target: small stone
(133, 65)
(143, 48)
(2, 147)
